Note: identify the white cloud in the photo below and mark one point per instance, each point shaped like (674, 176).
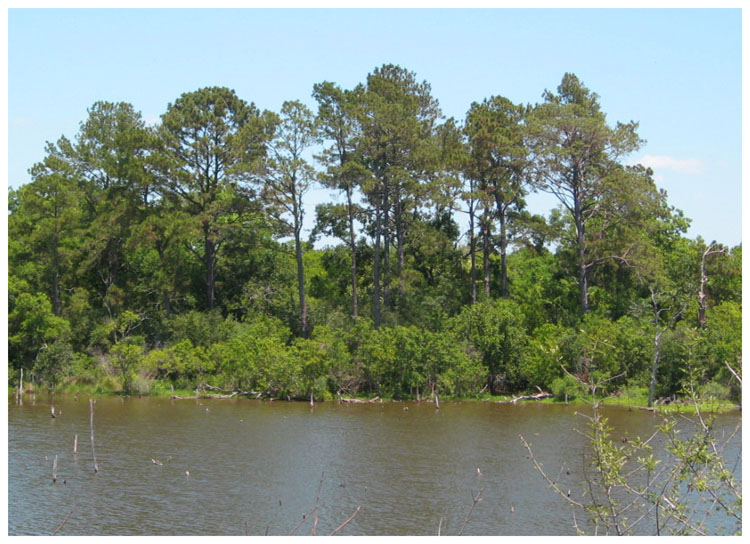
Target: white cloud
(21, 122)
(665, 162)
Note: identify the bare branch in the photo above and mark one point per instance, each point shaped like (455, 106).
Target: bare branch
(356, 511)
(476, 499)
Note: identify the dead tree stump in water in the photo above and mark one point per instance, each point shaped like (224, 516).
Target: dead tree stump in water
(93, 452)
(19, 393)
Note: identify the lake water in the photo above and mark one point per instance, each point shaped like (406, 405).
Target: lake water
(257, 467)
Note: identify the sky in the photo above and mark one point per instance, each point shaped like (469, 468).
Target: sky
(678, 72)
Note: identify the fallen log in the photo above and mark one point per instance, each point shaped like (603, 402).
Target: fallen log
(212, 396)
(538, 396)
(204, 396)
(359, 401)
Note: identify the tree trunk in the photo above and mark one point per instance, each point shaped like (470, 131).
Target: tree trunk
(353, 248)
(386, 273)
(398, 217)
(165, 294)
(654, 369)
(503, 251)
(702, 291)
(56, 304)
(486, 253)
(210, 261)
(376, 268)
(473, 254)
(300, 277)
(583, 288)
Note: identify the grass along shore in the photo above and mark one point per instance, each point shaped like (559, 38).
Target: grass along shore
(631, 397)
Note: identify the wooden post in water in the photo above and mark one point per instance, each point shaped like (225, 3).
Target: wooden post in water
(312, 401)
(19, 393)
(437, 401)
(91, 407)
(75, 444)
(54, 470)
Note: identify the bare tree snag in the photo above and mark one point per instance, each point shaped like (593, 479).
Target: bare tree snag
(91, 422)
(711, 250)
(19, 393)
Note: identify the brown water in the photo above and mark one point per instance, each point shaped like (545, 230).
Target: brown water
(255, 467)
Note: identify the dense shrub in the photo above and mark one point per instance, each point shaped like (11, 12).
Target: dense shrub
(565, 388)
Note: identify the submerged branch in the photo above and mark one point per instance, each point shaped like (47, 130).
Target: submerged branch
(356, 511)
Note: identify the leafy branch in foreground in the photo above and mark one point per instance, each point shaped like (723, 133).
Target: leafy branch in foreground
(677, 481)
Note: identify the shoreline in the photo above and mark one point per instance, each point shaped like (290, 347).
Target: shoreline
(682, 406)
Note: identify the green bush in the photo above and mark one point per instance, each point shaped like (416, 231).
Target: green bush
(540, 365)
(127, 358)
(495, 330)
(53, 364)
(565, 385)
(712, 391)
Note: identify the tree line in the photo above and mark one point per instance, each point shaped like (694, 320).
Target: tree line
(143, 255)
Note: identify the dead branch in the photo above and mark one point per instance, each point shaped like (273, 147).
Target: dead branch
(359, 401)
(210, 396)
(734, 373)
(63, 522)
(538, 396)
(346, 522)
(476, 499)
(314, 509)
(551, 483)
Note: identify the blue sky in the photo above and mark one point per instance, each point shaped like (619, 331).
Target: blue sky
(677, 72)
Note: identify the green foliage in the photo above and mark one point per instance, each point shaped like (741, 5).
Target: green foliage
(723, 338)
(53, 364)
(257, 358)
(712, 391)
(201, 328)
(666, 483)
(126, 358)
(494, 329)
(541, 364)
(180, 360)
(681, 348)
(147, 257)
(565, 388)
(31, 324)
(401, 361)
